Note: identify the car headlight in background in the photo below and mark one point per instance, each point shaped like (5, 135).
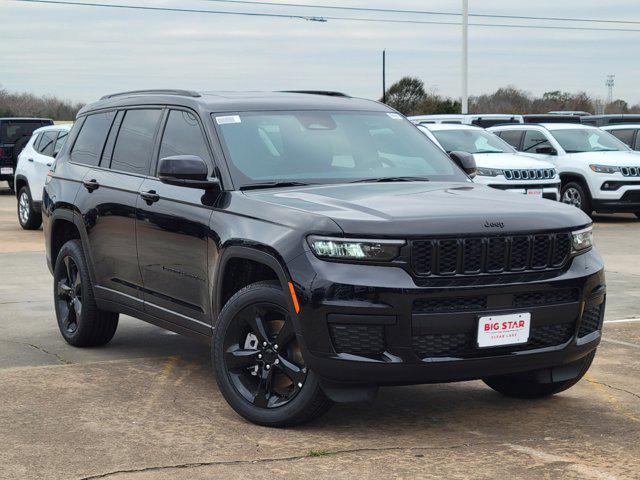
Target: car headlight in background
(355, 249)
(604, 168)
(581, 240)
(488, 172)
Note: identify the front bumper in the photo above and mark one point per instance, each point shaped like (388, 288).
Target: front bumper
(373, 325)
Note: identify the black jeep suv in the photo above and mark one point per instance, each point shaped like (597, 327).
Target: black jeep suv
(14, 136)
(321, 244)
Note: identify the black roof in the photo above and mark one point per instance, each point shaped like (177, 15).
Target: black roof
(238, 101)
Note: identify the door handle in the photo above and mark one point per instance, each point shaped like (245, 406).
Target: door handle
(91, 185)
(30, 160)
(150, 197)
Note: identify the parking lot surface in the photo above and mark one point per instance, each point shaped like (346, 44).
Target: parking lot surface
(146, 406)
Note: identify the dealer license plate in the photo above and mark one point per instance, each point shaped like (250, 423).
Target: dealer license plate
(534, 192)
(499, 330)
(6, 171)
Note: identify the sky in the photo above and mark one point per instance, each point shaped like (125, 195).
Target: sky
(81, 53)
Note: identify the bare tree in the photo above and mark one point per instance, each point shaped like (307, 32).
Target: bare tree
(29, 105)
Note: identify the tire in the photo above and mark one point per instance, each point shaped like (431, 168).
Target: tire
(574, 193)
(80, 321)
(29, 219)
(278, 390)
(525, 385)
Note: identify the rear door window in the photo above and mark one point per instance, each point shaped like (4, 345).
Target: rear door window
(62, 137)
(512, 137)
(47, 142)
(134, 145)
(624, 135)
(88, 146)
(533, 140)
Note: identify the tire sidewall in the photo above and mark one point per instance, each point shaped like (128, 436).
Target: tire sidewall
(25, 191)
(261, 292)
(73, 250)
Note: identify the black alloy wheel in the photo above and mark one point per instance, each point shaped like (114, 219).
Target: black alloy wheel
(69, 296)
(262, 357)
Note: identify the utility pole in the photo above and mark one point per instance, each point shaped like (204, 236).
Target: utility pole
(609, 83)
(384, 75)
(465, 56)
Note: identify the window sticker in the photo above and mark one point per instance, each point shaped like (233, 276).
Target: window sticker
(228, 119)
(395, 116)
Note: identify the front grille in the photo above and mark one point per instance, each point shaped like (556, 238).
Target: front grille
(362, 340)
(531, 299)
(591, 319)
(463, 344)
(529, 174)
(631, 196)
(630, 171)
(492, 255)
(450, 304)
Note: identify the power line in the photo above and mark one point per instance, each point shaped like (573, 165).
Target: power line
(316, 18)
(422, 12)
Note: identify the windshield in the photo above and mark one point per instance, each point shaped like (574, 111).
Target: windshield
(329, 147)
(471, 141)
(12, 131)
(587, 140)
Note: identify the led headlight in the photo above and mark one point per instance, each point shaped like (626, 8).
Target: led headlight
(604, 168)
(489, 172)
(355, 249)
(581, 240)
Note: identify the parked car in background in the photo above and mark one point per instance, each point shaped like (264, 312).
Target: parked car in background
(14, 135)
(612, 119)
(320, 244)
(579, 113)
(498, 164)
(626, 133)
(550, 118)
(598, 172)
(34, 163)
(480, 120)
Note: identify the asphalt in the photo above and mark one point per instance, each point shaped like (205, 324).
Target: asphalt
(146, 406)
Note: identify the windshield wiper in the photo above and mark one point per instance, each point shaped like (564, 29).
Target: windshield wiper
(255, 186)
(391, 179)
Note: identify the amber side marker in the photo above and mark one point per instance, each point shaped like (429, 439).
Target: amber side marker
(296, 305)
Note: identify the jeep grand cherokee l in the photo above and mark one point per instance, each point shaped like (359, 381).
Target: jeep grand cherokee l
(321, 244)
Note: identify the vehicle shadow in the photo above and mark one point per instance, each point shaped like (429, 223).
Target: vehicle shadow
(615, 218)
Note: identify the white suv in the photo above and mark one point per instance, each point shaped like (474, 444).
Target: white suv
(597, 170)
(34, 163)
(499, 165)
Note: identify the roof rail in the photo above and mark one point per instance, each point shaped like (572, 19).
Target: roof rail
(328, 93)
(183, 93)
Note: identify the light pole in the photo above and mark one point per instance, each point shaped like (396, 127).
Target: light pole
(465, 56)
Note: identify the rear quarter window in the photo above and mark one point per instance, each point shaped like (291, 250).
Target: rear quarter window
(90, 142)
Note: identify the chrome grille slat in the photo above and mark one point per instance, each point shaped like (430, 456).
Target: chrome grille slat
(498, 254)
(630, 171)
(529, 174)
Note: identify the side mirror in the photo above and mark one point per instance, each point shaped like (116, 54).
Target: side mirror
(465, 161)
(546, 151)
(186, 171)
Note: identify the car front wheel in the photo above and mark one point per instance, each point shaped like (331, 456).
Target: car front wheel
(27, 216)
(574, 193)
(258, 362)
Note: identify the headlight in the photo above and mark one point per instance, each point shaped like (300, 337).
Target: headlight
(355, 249)
(581, 240)
(604, 168)
(489, 172)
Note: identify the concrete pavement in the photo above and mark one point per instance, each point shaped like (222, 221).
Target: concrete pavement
(146, 406)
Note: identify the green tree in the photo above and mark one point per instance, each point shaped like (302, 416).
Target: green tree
(405, 95)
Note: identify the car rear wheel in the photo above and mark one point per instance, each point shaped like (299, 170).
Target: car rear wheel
(81, 322)
(574, 193)
(258, 362)
(527, 385)
(29, 219)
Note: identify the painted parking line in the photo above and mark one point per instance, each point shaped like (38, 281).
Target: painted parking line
(623, 320)
(621, 342)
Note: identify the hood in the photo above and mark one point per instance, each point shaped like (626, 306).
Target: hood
(421, 208)
(622, 159)
(509, 161)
